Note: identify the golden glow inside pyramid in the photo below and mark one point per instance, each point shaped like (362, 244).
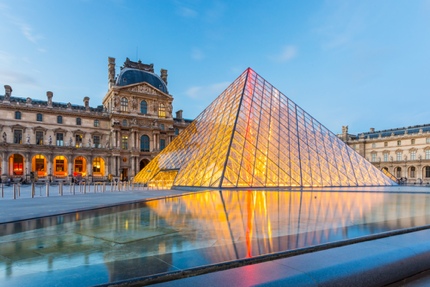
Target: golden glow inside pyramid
(252, 135)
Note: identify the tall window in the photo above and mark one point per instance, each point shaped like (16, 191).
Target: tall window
(60, 140)
(412, 141)
(373, 145)
(399, 143)
(124, 123)
(385, 143)
(412, 172)
(176, 131)
(59, 119)
(144, 143)
(97, 164)
(428, 154)
(428, 140)
(162, 144)
(427, 169)
(78, 121)
(17, 136)
(413, 155)
(96, 123)
(39, 138)
(398, 172)
(385, 156)
(124, 104)
(17, 115)
(39, 117)
(124, 142)
(373, 158)
(143, 107)
(162, 111)
(162, 127)
(96, 140)
(18, 164)
(399, 156)
(78, 140)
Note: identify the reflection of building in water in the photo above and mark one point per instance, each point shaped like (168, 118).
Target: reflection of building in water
(252, 135)
(212, 226)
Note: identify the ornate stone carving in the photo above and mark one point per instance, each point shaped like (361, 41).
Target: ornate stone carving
(144, 89)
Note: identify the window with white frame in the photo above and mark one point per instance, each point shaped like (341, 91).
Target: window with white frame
(399, 156)
(413, 155)
(385, 156)
(373, 157)
(428, 154)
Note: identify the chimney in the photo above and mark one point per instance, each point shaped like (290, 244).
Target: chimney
(49, 95)
(179, 115)
(111, 72)
(344, 133)
(163, 75)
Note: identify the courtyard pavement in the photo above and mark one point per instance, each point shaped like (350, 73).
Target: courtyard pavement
(374, 262)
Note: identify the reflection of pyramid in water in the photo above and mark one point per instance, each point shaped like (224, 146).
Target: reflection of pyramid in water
(254, 136)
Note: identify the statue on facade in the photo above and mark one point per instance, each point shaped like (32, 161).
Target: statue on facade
(7, 92)
(28, 139)
(50, 140)
(70, 141)
(4, 137)
(89, 142)
(134, 104)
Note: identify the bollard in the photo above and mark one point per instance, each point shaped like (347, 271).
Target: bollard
(14, 192)
(85, 187)
(104, 187)
(60, 189)
(2, 190)
(19, 189)
(33, 189)
(73, 185)
(47, 189)
(111, 184)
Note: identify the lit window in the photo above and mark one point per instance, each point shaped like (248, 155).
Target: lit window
(162, 111)
(17, 115)
(78, 140)
(96, 123)
(97, 164)
(60, 141)
(143, 107)
(18, 164)
(39, 117)
(144, 143)
(59, 119)
(78, 121)
(39, 138)
(124, 142)
(17, 136)
(124, 104)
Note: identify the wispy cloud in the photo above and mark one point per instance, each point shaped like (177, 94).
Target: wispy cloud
(187, 12)
(28, 33)
(197, 54)
(12, 77)
(210, 91)
(286, 54)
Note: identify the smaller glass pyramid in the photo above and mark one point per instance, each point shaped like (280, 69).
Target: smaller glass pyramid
(252, 135)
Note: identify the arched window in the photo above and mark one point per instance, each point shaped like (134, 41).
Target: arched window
(398, 172)
(412, 172)
(162, 111)
(124, 104)
(427, 172)
(144, 143)
(143, 107)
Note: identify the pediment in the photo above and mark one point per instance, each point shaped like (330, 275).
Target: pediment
(144, 88)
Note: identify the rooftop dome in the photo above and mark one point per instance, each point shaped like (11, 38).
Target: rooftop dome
(130, 76)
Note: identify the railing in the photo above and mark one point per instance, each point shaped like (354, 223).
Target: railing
(18, 190)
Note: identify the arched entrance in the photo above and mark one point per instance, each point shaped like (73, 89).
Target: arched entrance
(60, 166)
(98, 167)
(143, 163)
(39, 165)
(80, 166)
(16, 165)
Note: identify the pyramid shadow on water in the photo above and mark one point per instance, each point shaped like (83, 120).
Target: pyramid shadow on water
(252, 135)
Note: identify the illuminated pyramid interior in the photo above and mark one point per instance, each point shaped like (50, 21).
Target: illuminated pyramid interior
(252, 135)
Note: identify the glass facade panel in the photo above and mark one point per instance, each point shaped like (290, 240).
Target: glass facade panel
(254, 136)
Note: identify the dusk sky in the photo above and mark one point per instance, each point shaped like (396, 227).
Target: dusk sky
(357, 63)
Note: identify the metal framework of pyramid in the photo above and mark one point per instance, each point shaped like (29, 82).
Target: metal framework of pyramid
(252, 135)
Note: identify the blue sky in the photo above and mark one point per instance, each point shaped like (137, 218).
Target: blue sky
(357, 63)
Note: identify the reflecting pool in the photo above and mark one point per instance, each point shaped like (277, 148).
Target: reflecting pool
(159, 236)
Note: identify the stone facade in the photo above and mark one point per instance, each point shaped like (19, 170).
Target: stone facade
(404, 152)
(53, 141)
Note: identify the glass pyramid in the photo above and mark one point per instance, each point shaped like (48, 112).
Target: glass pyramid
(252, 135)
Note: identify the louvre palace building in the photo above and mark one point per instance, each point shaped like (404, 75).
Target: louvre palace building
(56, 141)
(404, 152)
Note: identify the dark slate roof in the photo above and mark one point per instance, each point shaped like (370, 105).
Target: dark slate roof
(35, 102)
(398, 131)
(130, 76)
